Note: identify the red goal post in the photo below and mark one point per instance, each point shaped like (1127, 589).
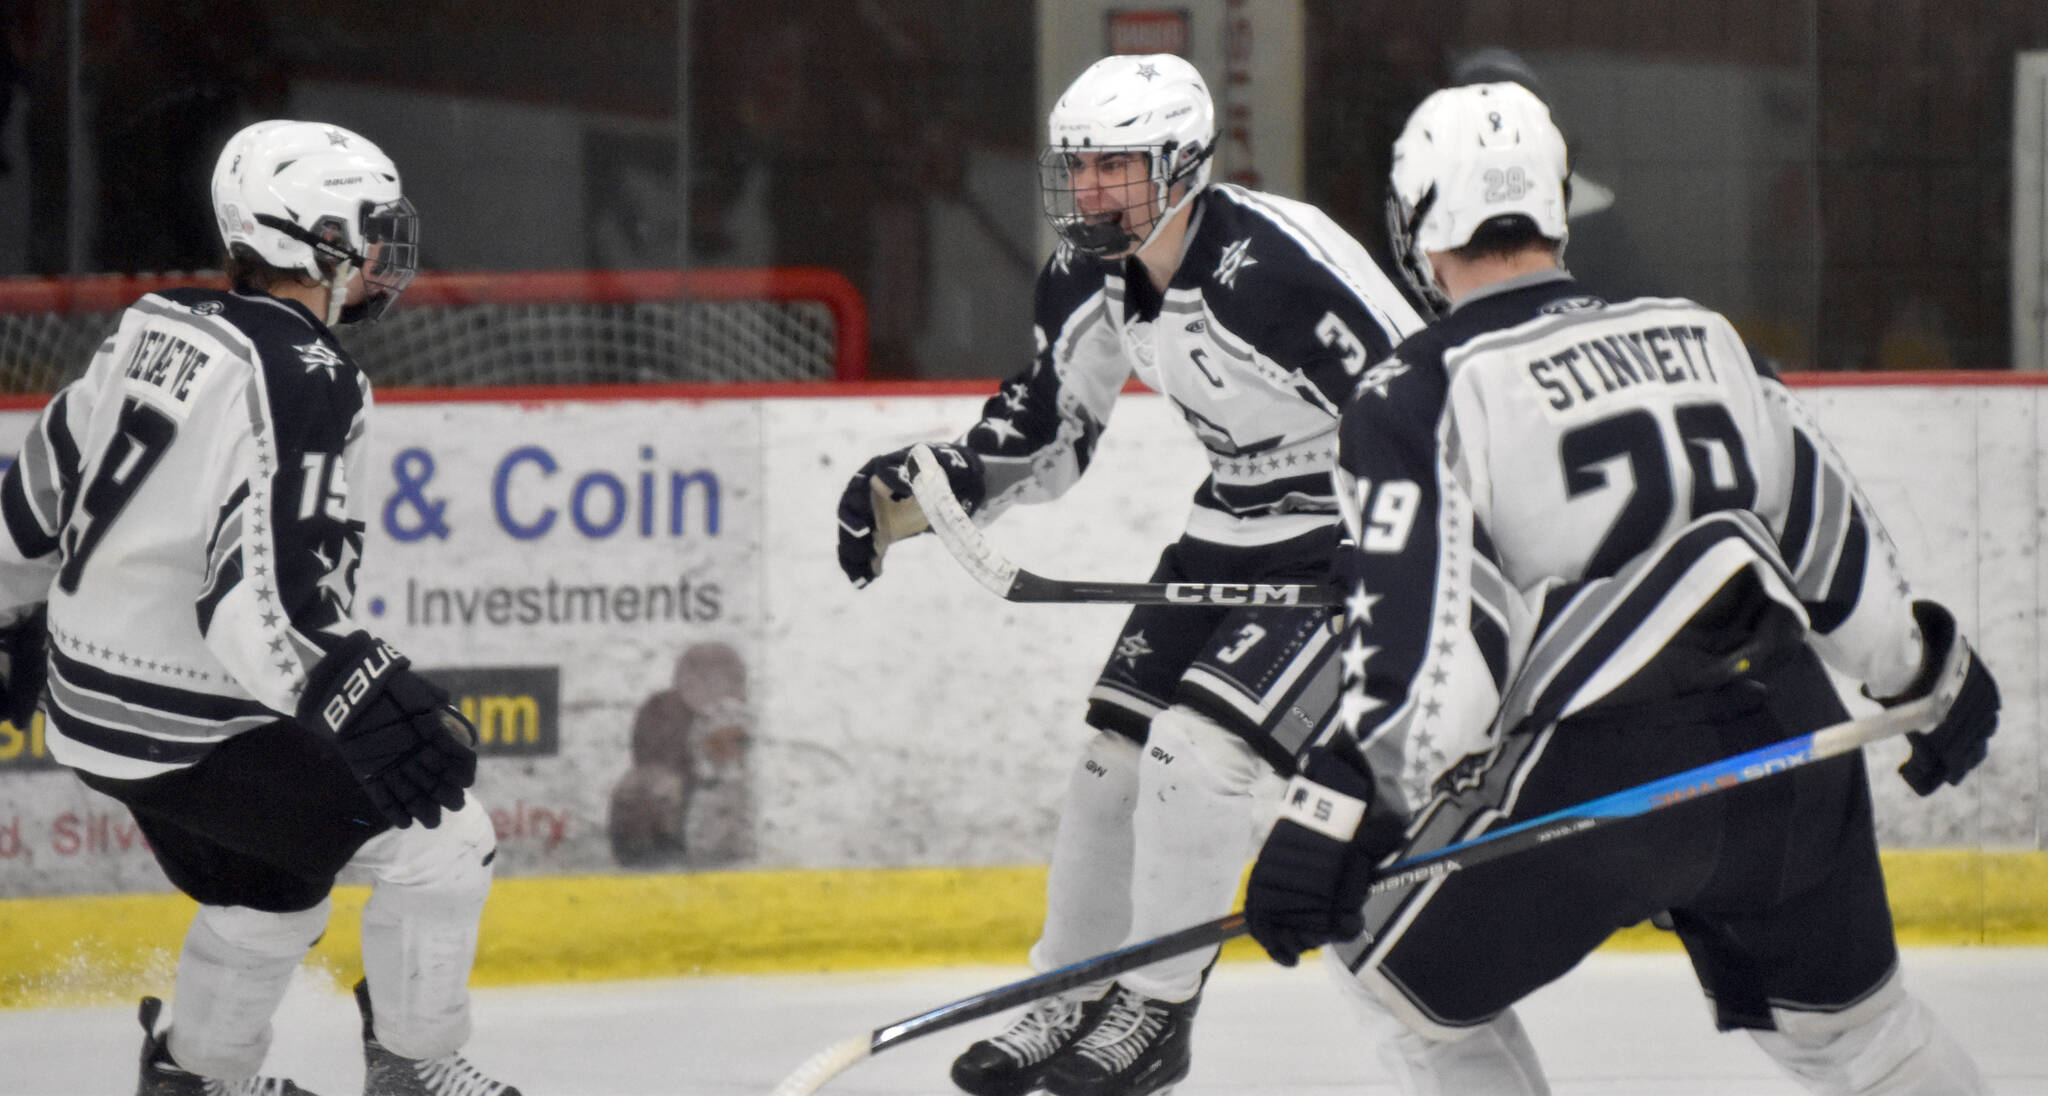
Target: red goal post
(509, 329)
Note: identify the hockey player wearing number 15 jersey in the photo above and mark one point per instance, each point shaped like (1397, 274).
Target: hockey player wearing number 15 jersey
(1595, 545)
(1253, 315)
(183, 516)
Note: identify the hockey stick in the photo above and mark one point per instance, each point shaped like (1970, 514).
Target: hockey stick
(837, 1058)
(1010, 582)
(1714, 776)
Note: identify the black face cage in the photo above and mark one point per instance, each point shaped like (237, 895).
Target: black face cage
(391, 235)
(1402, 223)
(1108, 233)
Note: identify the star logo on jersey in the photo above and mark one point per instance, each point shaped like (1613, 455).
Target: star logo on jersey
(318, 355)
(1063, 258)
(1466, 775)
(1131, 648)
(1379, 377)
(1359, 605)
(1235, 258)
(1354, 656)
(1004, 430)
(1014, 397)
(337, 579)
(1352, 710)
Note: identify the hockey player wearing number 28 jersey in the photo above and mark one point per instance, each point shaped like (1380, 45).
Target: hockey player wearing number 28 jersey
(185, 510)
(1594, 545)
(1254, 316)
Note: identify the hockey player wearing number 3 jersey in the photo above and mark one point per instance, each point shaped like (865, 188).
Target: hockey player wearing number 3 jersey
(185, 510)
(1254, 315)
(1594, 545)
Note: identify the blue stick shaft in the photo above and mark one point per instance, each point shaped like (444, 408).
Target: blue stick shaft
(1668, 791)
(1714, 776)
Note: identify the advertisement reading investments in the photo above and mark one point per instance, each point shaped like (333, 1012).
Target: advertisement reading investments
(582, 578)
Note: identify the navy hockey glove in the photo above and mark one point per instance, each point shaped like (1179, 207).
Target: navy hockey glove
(885, 477)
(1309, 885)
(412, 751)
(1960, 741)
(24, 664)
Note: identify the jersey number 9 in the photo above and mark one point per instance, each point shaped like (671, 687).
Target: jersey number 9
(141, 435)
(1379, 520)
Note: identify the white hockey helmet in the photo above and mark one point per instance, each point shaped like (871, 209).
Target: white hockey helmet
(1469, 155)
(1152, 104)
(321, 200)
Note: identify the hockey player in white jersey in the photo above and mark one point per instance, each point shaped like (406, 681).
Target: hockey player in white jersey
(1592, 545)
(184, 513)
(1254, 315)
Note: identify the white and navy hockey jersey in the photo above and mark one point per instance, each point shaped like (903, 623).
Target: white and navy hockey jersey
(1540, 436)
(185, 509)
(1268, 322)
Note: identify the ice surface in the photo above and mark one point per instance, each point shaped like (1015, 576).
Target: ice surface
(1622, 1023)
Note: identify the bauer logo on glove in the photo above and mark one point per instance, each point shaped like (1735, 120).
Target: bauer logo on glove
(340, 707)
(412, 752)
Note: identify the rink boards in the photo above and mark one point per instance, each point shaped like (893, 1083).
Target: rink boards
(576, 566)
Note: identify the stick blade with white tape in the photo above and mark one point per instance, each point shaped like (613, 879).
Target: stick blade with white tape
(825, 1065)
(950, 523)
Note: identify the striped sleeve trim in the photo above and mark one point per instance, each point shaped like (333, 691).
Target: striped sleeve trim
(66, 726)
(1826, 541)
(32, 502)
(114, 699)
(223, 559)
(1799, 515)
(1490, 620)
(1828, 612)
(31, 537)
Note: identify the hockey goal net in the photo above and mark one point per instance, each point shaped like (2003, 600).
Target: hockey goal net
(469, 330)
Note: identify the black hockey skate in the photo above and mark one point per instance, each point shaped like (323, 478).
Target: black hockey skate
(387, 1074)
(1140, 1047)
(1010, 1062)
(162, 1077)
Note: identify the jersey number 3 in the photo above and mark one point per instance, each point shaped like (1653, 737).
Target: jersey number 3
(1721, 476)
(141, 435)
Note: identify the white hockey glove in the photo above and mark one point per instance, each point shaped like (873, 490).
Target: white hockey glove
(1945, 754)
(877, 509)
(410, 749)
(24, 665)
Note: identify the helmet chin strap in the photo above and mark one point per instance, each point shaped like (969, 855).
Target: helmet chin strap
(1159, 221)
(337, 290)
(346, 262)
(1196, 180)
